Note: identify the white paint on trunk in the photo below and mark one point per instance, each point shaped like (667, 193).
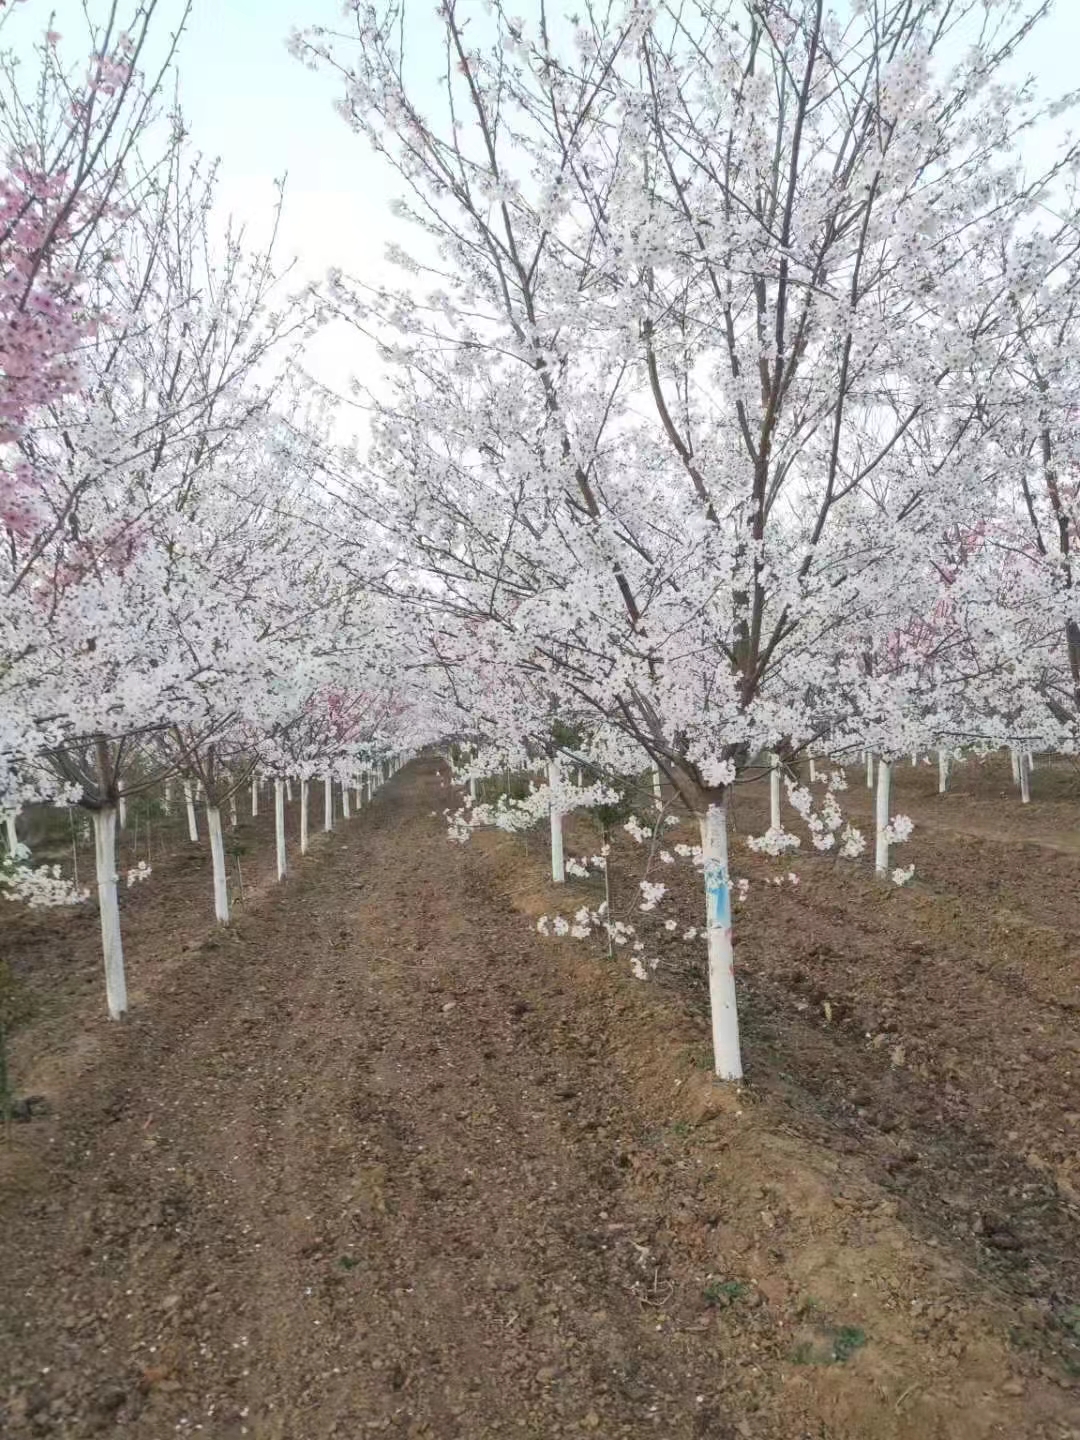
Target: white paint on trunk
(813, 771)
(657, 789)
(774, 792)
(189, 805)
(942, 771)
(869, 769)
(304, 801)
(254, 798)
(279, 828)
(881, 835)
(111, 945)
(345, 811)
(1015, 765)
(166, 804)
(233, 817)
(727, 1056)
(121, 812)
(217, 860)
(328, 804)
(10, 832)
(1025, 778)
(472, 786)
(288, 791)
(558, 864)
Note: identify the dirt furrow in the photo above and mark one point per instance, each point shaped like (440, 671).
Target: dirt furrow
(378, 1160)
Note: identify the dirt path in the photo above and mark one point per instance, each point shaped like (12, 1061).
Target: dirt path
(379, 1161)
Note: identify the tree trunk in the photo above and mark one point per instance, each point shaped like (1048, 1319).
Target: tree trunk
(121, 810)
(217, 860)
(813, 771)
(192, 822)
(10, 832)
(607, 890)
(774, 792)
(1025, 778)
(657, 787)
(942, 771)
(558, 865)
(472, 786)
(288, 791)
(345, 812)
(166, 803)
(727, 1058)
(869, 769)
(881, 838)
(279, 828)
(328, 804)
(1015, 765)
(304, 795)
(254, 798)
(233, 817)
(109, 910)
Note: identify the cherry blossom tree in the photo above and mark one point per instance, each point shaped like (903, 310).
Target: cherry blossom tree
(73, 173)
(689, 387)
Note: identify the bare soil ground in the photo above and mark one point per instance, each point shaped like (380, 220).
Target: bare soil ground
(378, 1159)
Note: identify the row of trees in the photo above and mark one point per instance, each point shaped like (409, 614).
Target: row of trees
(733, 412)
(171, 605)
(727, 413)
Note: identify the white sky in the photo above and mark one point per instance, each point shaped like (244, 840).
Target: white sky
(250, 102)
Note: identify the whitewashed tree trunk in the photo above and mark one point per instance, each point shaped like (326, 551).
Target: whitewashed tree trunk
(942, 771)
(328, 804)
(1025, 778)
(304, 800)
(358, 793)
(217, 861)
(189, 805)
(10, 832)
(345, 812)
(279, 829)
(288, 791)
(558, 864)
(914, 760)
(657, 790)
(472, 786)
(881, 835)
(254, 798)
(108, 906)
(727, 1057)
(813, 771)
(869, 769)
(121, 810)
(233, 817)
(774, 792)
(1014, 761)
(166, 803)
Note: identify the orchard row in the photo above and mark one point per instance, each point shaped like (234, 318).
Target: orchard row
(725, 418)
